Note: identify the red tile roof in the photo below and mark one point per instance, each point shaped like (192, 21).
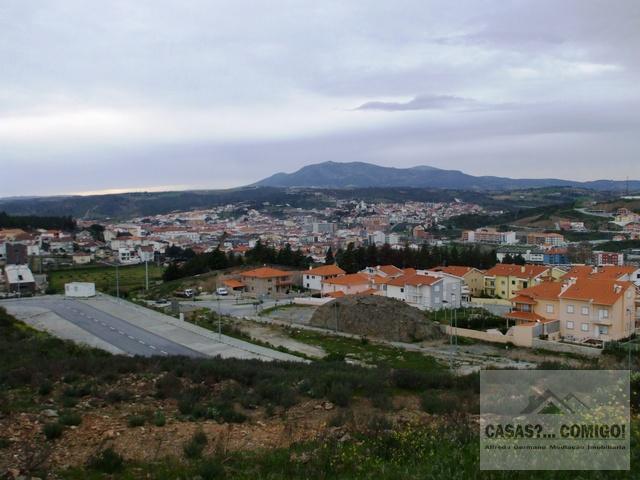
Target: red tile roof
(456, 271)
(546, 290)
(601, 292)
(266, 272)
(231, 283)
(326, 270)
(352, 279)
(413, 280)
(519, 271)
(390, 270)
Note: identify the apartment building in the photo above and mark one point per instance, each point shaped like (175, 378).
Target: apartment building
(601, 258)
(587, 310)
(541, 238)
(489, 235)
(504, 280)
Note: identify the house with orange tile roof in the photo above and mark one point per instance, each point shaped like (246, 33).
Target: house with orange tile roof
(504, 280)
(312, 279)
(384, 271)
(268, 281)
(472, 279)
(583, 309)
(347, 284)
(421, 290)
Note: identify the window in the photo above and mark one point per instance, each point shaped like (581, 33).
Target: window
(455, 286)
(585, 310)
(569, 325)
(603, 330)
(604, 313)
(549, 308)
(513, 282)
(584, 327)
(571, 308)
(401, 290)
(436, 288)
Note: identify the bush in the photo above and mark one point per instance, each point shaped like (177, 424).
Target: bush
(211, 469)
(195, 446)
(118, 396)
(340, 394)
(437, 404)
(45, 388)
(168, 386)
(159, 420)
(136, 421)
(416, 381)
(70, 419)
(4, 443)
(108, 461)
(52, 430)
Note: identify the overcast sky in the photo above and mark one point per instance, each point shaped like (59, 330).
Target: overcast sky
(123, 95)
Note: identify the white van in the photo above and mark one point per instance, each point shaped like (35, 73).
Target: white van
(222, 291)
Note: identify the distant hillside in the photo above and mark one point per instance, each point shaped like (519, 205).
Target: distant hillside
(362, 175)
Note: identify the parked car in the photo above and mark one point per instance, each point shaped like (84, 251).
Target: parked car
(222, 291)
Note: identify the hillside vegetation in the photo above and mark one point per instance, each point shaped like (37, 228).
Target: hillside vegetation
(75, 413)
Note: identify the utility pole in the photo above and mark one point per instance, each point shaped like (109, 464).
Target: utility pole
(146, 275)
(219, 320)
(117, 282)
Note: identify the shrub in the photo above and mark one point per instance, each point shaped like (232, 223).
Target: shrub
(194, 447)
(52, 430)
(117, 396)
(211, 469)
(437, 403)
(136, 421)
(45, 388)
(4, 443)
(70, 419)
(382, 400)
(340, 394)
(168, 386)
(417, 381)
(108, 461)
(379, 423)
(159, 420)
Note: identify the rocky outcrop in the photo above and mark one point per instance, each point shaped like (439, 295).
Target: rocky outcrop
(378, 317)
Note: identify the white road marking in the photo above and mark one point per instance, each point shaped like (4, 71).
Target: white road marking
(163, 352)
(112, 329)
(130, 337)
(120, 332)
(141, 342)
(152, 347)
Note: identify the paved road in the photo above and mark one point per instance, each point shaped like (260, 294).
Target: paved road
(123, 327)
(111, 329)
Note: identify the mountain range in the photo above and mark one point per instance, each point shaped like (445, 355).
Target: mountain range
(366, 175)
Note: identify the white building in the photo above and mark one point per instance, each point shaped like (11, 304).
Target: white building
(80, 289)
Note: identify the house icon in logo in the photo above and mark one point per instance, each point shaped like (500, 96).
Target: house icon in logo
(548, 403)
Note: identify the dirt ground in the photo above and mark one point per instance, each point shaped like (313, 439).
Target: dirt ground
(105, 425)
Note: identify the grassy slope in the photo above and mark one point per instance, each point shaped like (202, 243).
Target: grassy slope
(132, 278)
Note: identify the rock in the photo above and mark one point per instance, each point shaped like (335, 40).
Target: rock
(376, 317)
(327, 406)
(50, 413)
(345, 438)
